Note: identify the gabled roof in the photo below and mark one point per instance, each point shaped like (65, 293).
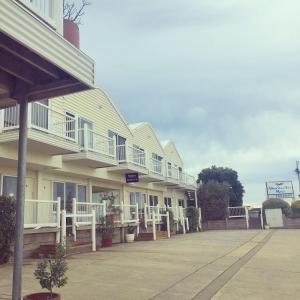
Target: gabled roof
(115, 108)
(138, 126)
(167, 143)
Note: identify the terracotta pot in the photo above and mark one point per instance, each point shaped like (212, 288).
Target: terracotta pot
(71, 33)
(111, 219)
(106, 242)
(42, 296)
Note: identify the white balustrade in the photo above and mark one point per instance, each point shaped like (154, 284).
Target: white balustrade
(95, 142)
(42, 118)
(41, 213)
(131, 154)
(156, 166)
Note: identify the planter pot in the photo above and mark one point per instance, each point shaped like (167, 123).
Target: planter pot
(267, 227)
(130, 237)
(42, 296)
(106, 242)
(71, 33)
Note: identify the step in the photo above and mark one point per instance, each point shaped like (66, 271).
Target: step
(72, 248)
(162, 235)
(145, 236)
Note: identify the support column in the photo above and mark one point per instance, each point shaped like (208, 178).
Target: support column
(21, 182)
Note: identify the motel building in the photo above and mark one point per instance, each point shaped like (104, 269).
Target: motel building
(79, 156)
(83, 160)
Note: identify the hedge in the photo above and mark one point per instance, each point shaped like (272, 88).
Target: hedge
(7, 227)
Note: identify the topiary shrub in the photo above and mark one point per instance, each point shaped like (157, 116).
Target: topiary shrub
(7, 227)
(192, 214)
(296, 207)
(277, 203)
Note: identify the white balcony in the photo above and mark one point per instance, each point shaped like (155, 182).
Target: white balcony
(155, 171)
(36, 55)
(130, 159)
(187, 182)
(49, 131)
(97, 151)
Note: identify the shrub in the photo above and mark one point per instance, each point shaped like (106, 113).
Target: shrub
(192, 214)
(296, 207)
(214, 200)
(7, 227)
(277, 203)
(171, 220)
(51, 271)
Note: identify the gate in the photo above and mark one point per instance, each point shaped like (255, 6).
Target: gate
(274, 217)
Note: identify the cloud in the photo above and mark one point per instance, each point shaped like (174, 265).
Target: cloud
(220, 78)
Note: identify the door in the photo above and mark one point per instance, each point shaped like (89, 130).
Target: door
(274, 217)
(70, 194)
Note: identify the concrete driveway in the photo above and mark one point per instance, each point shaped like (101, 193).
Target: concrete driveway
(209, 265)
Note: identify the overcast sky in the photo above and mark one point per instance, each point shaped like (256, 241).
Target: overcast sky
(218, 77)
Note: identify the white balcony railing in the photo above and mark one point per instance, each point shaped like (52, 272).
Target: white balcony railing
(190, 180)
(83, 208)
(41, 214)
(92, 141)
(131, 154)
(172, 172)
(43, 118)
(156, 166)
(50, 11)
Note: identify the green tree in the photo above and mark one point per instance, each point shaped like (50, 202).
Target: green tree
(224, 175)
(214, 199)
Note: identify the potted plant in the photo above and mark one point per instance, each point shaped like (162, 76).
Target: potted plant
(108, 231)
(51, 273)
(130, 234)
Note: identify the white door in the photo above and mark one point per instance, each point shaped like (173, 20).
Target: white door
(274, 217)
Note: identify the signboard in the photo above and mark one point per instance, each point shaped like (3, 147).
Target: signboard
(132, 177)
(280, 189)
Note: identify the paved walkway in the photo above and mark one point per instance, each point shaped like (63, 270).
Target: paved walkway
(210, 265)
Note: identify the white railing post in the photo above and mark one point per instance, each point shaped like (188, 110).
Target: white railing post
(168, 225)
(29, 122)
(104, 211)
(76, 130)
(261, 218)
(122, 213)
(1, 119)
(63, 227)
(85, 137)
(115, 146)
(74, 218)
(200, 219)
(154, 225)
(58, 219)
(94, 230)
(187, 224)
(146, 216)
(247, 216)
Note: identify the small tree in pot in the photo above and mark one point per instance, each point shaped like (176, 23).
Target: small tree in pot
(51, 273)
(130, 234)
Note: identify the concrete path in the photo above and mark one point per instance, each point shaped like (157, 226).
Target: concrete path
(216, 264)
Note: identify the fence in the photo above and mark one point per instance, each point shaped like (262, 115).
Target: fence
(239, 212)
(41, 213)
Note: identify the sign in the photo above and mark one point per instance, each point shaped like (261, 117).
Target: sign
(132, 177)
(280, 189)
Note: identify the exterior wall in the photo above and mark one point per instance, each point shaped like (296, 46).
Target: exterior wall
(145, 137)
(172, 154)
(97, 107)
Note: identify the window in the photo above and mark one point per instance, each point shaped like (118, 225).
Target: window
(181, 202)
(81, 193)
(138, 155)
(169, 169)
(120, 144)
(168, 201)
(67, 191)
(70, 125)
(137, 198)
(59, 191)
(9, 187)
(40, 114)
(153, 200)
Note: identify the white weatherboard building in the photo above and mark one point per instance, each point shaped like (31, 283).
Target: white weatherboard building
(79, 152)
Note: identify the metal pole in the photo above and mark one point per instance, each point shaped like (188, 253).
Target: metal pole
(298, 174)
(21, 181)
